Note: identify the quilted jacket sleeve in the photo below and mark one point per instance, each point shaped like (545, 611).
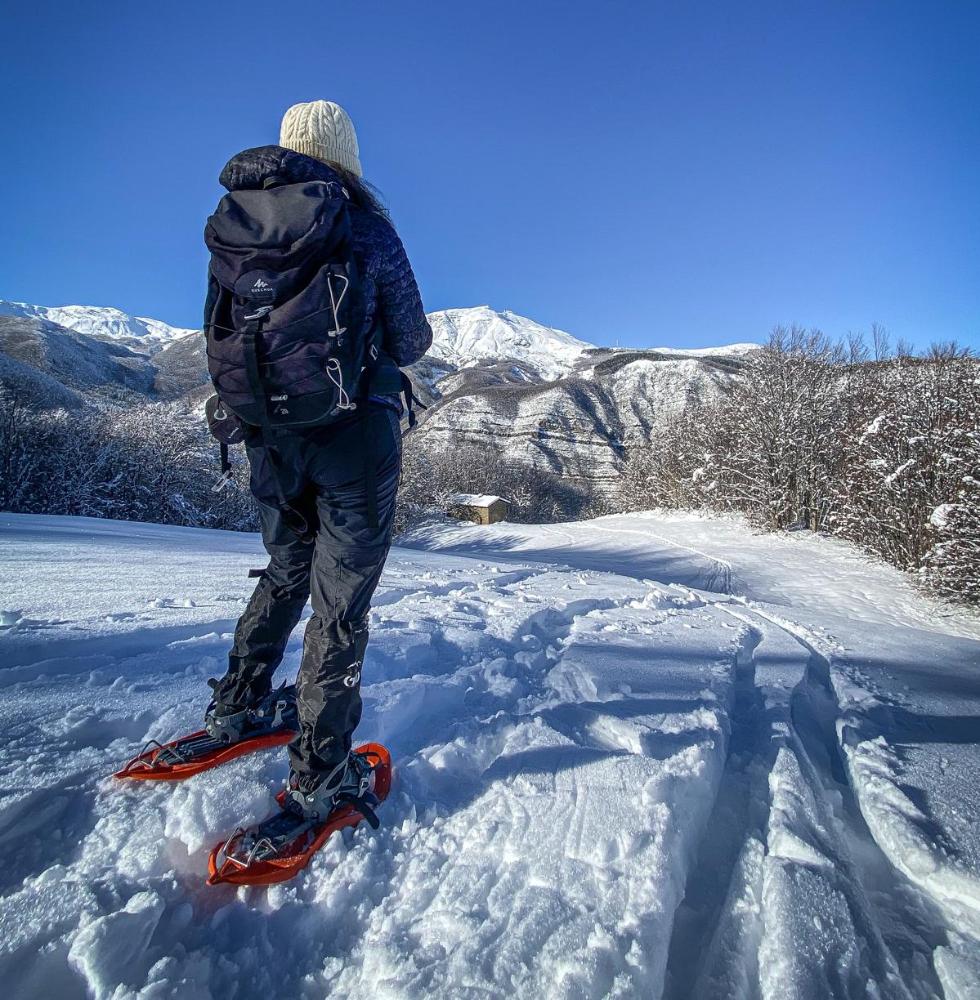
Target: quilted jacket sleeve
(210, 299)
(407, 332)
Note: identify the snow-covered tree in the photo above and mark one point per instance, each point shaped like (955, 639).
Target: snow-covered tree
(952, 564)
(150, 462)
(778, 436)
(903, 456)
(669, 468)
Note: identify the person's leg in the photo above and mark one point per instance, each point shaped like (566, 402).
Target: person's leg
(276, 604)
(350, 554)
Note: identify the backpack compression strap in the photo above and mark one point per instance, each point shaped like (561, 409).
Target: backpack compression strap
(225, 476)
(408, 392)
(293, 517)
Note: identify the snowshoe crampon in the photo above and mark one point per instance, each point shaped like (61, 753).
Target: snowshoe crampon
(195, 753)
(282, 846)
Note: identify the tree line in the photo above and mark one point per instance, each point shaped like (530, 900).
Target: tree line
(144, 462)
(156, 462)
(877, 446)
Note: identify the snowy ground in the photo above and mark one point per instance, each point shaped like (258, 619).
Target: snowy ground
(638, 756)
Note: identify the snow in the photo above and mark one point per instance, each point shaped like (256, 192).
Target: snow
(939, 518)
(645, 755)
(104, 322)
(476, 499)
(724, 351)
(465, 337)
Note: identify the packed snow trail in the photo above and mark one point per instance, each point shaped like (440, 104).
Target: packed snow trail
(875, 690)
(657, 774)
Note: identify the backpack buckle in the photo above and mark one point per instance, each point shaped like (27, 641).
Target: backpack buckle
(223, 480)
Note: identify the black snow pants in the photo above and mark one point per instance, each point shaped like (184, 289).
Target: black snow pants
(325, 473)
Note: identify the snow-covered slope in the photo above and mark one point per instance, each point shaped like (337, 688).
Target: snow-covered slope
(582, 425)
(102, 322)
(465, 337)
(724, 351)
(619, 773)
(79, 362)
(539, 396)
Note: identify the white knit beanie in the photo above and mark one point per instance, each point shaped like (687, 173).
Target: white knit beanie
(323, 130)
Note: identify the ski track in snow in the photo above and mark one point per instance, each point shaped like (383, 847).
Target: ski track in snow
(622, 769)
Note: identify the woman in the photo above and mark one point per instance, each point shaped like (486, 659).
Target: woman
(326, 494)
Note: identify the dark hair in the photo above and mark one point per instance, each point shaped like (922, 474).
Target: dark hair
(364, 194)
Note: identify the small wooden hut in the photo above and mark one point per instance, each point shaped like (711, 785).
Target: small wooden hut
(479, 509)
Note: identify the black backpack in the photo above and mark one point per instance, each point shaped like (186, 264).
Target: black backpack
(285, 340)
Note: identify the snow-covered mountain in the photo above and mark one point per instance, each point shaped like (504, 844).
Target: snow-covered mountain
(725, 351)
(103, 323)
(582, 425)
(46, 365)
(542, 396)
(467, 337)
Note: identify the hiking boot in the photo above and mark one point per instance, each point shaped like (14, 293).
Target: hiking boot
(274, 712)
(351, 781)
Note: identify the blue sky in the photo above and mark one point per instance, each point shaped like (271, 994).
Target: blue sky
(636, 173)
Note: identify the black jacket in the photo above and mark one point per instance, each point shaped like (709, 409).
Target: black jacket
(388, 284)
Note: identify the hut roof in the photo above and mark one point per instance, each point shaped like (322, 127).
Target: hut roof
(476, 499)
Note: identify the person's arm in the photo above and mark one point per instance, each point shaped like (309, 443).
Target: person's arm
(407, 333)
(210, 300)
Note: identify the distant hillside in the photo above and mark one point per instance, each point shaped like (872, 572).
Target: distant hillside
(79, 362)
(582, 424)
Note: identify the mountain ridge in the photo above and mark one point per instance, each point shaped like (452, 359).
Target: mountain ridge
(101, 322)
(463, 336)
(470, 335)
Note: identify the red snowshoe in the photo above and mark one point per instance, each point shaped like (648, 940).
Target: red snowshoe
(271, 723)
(281, 846)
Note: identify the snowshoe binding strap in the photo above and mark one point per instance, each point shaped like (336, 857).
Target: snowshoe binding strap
(275, 711)
(364, 804)
(227, 727)
(361, 771)
(351, 781)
